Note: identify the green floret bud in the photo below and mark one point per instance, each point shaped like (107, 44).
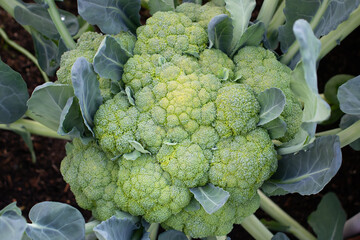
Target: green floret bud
(145, 189)
(260, 69)
(244, 162)
(170, 33)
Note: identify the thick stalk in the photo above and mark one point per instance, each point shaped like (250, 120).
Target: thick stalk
(329, 132)
(267, 11)
(9, 6)
(60, 26)
(333, 39)
(278, 18)
(90, 225)
(255, 228)
(349, 134)
(153, 230)
(33, 127)
(24, 52)
(282, 217)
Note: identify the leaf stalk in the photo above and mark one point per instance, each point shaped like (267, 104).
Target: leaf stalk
(267, 11)
(256, 228)
(349, 134)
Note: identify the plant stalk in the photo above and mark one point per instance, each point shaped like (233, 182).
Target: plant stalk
(278, 18)
(329, 132)
(349, 134)
(24, 52)
(9, 6)
(90, 225)
(282, 217)
(60, 26)
(33, 127)
(267, 11)
(153, 230)
(256, 228)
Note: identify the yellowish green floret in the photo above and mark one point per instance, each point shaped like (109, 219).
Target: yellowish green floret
(193, 122)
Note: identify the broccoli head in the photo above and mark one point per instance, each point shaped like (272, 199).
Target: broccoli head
(190, 121)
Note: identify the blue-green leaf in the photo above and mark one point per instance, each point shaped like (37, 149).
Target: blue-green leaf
(47, 102)
(329, 218)
(192, 206)
(53, 220)
(272, 102)
(276, 128)
(115, 229)
(346, 121)
(12, 225)
(349, 96)
(112, 16)
(37, 16)
(280, 236)
(210, 197)
(161, 5)
(72, 123)
(308, 171)
(304, 84)
(172, 235)
(240, 14)
(220, 31)
(253, 35)
(13, 94)
(11, 207)
(138, 146)
(110, 59)
(132, 156)
(26, 136)
(86, 89)
(130, 95)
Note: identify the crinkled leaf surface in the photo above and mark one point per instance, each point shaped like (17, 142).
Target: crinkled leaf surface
(346, 121)
(329, 218)
(13, 94)
(220, 31)
(12, 225)
(110, 59)
(115, 229)
(272, 102)
(112, 16)
(37, 16)
(172, 235)
(86, 89)
(307, 172)
(210, 197)
(304, 84)
(47, 102)
(349, 96)
(53, 220)
(161, 5)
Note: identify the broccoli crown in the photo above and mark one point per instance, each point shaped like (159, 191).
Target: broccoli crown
(87, 46)
(193, 122)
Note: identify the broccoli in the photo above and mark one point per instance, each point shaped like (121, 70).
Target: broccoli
(194, 122)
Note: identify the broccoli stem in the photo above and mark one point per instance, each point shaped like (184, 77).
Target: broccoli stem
(60, 26)
(256, 228)
(24, 52)
(278, 18)
(153, 230)
(267, 11)
(349, 134)
(89, 226)
(32, 127)
(282, 217)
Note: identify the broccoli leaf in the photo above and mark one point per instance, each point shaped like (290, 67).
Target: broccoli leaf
(349, 96)
(161, 5)
(131, 156)
(329, 218)
(86, 89)
(253, 35)
(220, 31)
(47, 102)
(240, 12)
(72, 122)
(26, 136)
(194, 205)
(13, 94)
(11, 207)
(115, 229)
(272, 102)
(172, 235)
(276, 128)
(210, 197)
(110, 59)
(112, 16)
(308, 171)
(280, 236)
(138, 147)
(346, 121)
(304, 84)
(37, 16)
(53, 220)
(12, 225)
(130, 95)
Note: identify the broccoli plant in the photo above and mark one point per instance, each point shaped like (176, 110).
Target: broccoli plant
(190, 121)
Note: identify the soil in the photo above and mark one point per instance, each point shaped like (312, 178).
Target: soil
(28, 183)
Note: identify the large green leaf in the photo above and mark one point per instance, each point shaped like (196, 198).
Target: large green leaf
(220, 31)
(161, 5)
(349, 96)
(115, 229)
(210, 197)
(329, 218)
(346, 121)
(53, 220)
(12, 226)
(47, 102)
(13, 94)
(172, 235)
(112, 16)
(272, 102)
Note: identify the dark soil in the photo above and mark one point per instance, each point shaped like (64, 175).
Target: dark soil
(28, 183)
